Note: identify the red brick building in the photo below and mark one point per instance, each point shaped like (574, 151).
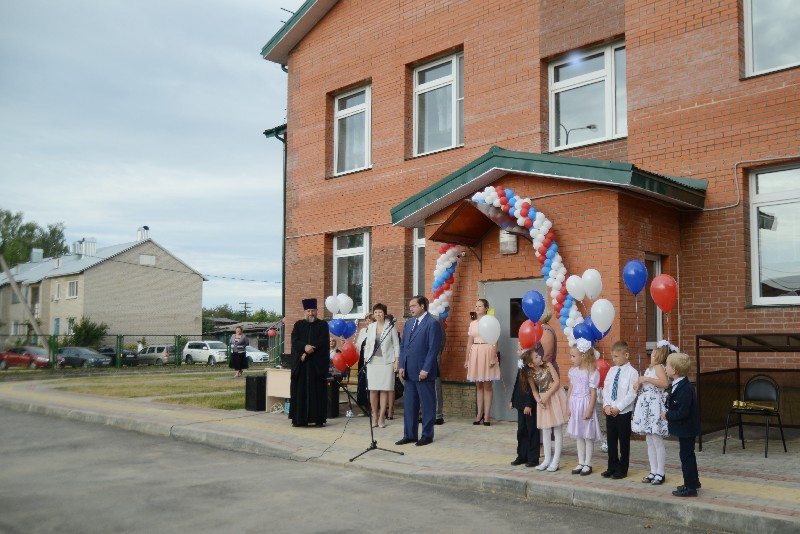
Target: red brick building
(667, 132)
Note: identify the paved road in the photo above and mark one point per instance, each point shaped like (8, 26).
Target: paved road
(65, 476)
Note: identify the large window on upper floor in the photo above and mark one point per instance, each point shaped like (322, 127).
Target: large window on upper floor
(588, 97)
(351, 270)
(775, 235)
(770, 34)
(439, 105)
(352, 131)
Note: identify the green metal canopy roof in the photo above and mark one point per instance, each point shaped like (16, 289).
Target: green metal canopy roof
(498, 162)
(292, 32)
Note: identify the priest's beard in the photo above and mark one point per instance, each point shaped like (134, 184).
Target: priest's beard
(310, 319)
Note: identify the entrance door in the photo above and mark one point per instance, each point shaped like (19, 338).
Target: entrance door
(506, 298)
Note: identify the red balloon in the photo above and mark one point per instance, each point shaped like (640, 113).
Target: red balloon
(546, 244)
(501, 192)
(528, 223)
(529, 334)
(664, 290)
(350, 354)
(558, 307)
(446, 286)
(523, 212)
(452, 278)
(506, 208)
(526, 205)
(549, 235)
(338, 361)
(542, 250)
(602, 367)
(503, 200)
(560, 298)
(272, 332)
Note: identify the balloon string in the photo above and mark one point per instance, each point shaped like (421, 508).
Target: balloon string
(638, 340)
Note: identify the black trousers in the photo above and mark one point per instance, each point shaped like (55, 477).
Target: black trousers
(688, 462)
(618, 430)
(527, 437)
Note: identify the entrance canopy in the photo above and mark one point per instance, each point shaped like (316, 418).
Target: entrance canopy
(498, 162)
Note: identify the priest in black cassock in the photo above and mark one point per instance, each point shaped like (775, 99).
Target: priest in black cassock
(310, 363)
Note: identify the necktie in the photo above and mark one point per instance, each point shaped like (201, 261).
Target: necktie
(413, 326)
(614, 386)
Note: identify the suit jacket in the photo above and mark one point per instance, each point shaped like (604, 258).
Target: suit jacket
(521, 399)
(683, 414)
(419, 349)
(390, 346)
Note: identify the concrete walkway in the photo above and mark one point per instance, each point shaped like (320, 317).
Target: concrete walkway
(742, 491)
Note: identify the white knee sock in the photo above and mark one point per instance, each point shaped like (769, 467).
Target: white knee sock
(580, 444)
(557, 446)
(661, 455)
(589, 452)
(546, 441)
(651, 453)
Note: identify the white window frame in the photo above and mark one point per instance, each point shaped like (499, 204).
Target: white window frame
(757, 201)
(57, 291)
(617, 131)
(748, 45)
(71, 321)
(659, 318)
(348, 252)
(70, 293)
(365, 108)
(456, 77)
(419, 278)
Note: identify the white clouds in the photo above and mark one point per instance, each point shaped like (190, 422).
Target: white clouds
(118, 114)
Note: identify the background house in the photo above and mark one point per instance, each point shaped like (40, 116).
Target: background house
(136, 288)
(659, 131)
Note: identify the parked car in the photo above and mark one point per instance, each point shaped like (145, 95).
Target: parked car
(157, 355)
(255, 355)
(210, 352)
(82, 357)
(26, 356)
(129, 357)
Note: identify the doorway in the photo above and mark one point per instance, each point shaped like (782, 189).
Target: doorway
(505, 297)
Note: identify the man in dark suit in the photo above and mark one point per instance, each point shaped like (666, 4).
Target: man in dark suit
(419, 349)
(683, 420)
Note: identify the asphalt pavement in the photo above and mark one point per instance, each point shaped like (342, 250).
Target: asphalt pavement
(742, 491)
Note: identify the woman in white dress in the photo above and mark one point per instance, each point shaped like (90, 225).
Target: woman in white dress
(381, 351)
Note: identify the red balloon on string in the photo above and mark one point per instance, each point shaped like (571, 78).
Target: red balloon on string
(338, 361)
(664, 290)
(272, 332)
(602, 367)
(529, 334)
(350, 354)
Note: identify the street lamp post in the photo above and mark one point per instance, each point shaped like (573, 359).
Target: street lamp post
(591, 127)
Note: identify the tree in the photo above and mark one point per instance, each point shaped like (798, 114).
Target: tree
(18, 238)
(86, 333)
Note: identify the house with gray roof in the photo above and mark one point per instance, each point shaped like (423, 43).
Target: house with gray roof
(136, 288)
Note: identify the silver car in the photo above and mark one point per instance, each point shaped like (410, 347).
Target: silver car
(156, 355)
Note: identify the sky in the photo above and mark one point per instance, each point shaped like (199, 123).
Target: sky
(118, 113)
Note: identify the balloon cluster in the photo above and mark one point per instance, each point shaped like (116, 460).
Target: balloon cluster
(443, 279)
(545, 249)
(597, 325)
(340, 304)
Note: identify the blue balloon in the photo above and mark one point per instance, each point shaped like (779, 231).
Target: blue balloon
(532, 213)
(533, 305)
(635, 276)
(512, 211)
(565, 311)
(554, 247)
(583, 331)
(350, 328)
(546, 271)
(336, 327)
(597, 334)
(549, 254)
(548, 262)
(509, 194)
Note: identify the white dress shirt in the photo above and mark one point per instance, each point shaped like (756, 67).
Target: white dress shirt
(626, 396)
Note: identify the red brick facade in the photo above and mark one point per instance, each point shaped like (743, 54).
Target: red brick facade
(691, 113)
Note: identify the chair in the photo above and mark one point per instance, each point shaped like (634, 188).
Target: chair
(759, 389)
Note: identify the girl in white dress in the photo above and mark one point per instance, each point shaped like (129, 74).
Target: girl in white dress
(652, 390)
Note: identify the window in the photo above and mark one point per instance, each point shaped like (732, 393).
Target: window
(654, 329)
(775, 235)
(147, 259)
(352, 131)
(56, 290)
(770, 28)
(72, 289)
(351, 269)
(419, 261)
(588, 97)
(56, 325)
(70, 326)
(439, 105)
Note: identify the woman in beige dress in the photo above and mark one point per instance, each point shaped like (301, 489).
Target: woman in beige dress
(482, 365)
(381, 351)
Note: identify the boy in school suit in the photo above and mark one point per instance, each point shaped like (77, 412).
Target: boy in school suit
(619, 398)
(683, 420)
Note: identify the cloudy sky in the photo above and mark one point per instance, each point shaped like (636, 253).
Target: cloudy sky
(120, 113)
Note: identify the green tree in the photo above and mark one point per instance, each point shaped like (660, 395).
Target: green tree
(264, 316)
(18, 238)
(87, 333)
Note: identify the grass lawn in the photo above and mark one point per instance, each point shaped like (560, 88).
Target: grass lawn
(233, 400)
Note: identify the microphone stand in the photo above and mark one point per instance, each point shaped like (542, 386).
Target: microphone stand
(373, 445)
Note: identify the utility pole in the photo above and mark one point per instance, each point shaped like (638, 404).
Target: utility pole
(246, 306)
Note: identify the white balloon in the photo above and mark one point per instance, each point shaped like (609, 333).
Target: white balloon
(557, 284)
(345, 303)
(537, 253)
(489, 328)
(603, 314)
(332, 304)
(575, 287)
(571, 322)
(537, 223)
(554, 293)
(553, 301)
(540, 217)
(560, 277)
(562, 270)
(592, 283)
(568, 332)
(573, 312)
(496, 203)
